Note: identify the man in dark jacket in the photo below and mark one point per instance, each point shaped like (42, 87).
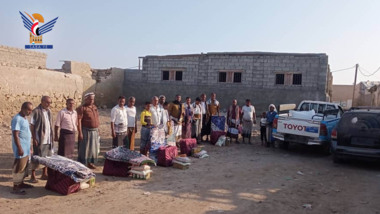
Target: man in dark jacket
(42, 135)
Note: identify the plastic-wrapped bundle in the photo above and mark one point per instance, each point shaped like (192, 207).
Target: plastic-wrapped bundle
(201, 154)
(182, 159)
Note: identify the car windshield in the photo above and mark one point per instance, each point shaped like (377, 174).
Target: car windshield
(360, 120)
(305, 107)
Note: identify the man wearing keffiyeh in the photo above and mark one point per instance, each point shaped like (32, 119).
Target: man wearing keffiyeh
(271, 114)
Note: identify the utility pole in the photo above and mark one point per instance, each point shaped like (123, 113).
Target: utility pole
(356, 75)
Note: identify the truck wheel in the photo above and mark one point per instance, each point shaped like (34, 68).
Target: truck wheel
(284, 145)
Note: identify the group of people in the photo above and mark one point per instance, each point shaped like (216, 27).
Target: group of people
(193, 119)
(178, 119)
(37, 137)
(242, 119)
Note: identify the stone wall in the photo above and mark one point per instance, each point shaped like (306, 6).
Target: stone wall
(363, 96)
(18, 85)
(23, 78)
(82, 69)
(15, 57)
(200, 75)
(107, 84)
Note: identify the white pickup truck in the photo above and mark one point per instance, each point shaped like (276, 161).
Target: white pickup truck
(310, 124)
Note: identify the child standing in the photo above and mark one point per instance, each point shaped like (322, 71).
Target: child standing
(263, 128)
(146, 121)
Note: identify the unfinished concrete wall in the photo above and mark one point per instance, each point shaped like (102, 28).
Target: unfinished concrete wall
(260, 98)
(15, 57)
(200, 75)
(108, 87)
(131, 75)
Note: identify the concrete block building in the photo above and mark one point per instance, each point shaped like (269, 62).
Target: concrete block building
(263, 77)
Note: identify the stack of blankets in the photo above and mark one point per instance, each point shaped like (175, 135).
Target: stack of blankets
(123, 154)
(65, 176)
(73, 169)
(141, 172)
(120, 160)
(181, 162)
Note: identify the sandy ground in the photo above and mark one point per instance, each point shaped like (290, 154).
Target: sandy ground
(236, 179)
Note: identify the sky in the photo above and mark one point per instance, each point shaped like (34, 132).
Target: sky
(115, 33)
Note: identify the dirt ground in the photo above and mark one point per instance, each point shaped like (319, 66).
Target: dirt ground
(236, 179)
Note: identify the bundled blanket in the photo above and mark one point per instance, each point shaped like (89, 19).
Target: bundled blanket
(182, 159)
(123, 154)
(156, 141)
(75, 170)
(218, 123)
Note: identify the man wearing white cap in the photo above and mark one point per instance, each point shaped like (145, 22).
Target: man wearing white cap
(88, 135)
(161, 101)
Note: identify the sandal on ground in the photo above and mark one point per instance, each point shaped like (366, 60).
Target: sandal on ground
(18, 192)
(33, 181)
(91, 166)
(44, 177)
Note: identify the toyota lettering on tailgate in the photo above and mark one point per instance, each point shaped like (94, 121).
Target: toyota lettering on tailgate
(300, 128)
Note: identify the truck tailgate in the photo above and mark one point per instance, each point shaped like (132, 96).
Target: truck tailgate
(301, 127)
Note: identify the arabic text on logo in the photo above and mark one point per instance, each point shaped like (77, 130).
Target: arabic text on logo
(36, 31)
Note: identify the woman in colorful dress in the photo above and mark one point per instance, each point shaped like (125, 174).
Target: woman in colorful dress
(233, 120)
(188, 118)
